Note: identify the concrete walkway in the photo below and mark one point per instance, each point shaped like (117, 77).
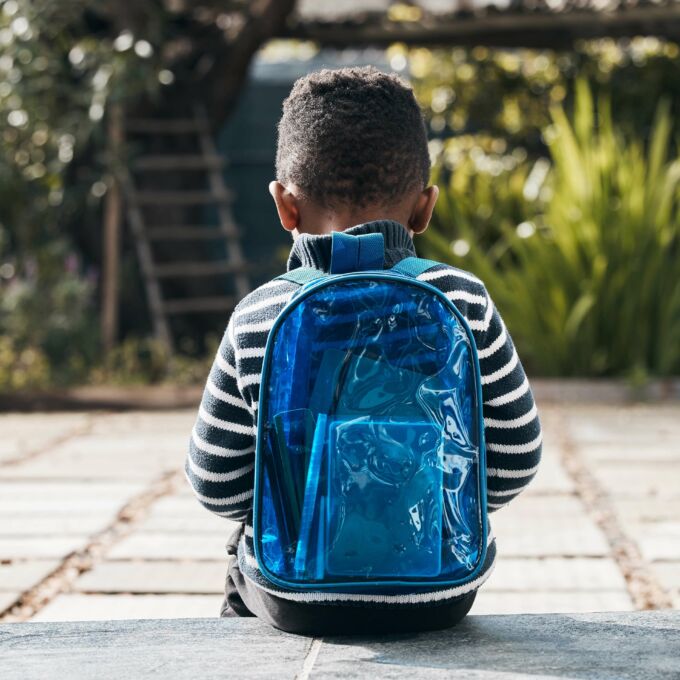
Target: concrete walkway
(96, 520)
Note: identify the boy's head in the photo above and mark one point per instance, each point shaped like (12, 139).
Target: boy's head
(352, 147)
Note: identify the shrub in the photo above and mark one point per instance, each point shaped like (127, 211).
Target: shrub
(589, 280)
(22, 369)
(47, 316)
(144, 361)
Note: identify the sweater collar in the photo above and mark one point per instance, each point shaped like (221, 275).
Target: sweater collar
(315, 250)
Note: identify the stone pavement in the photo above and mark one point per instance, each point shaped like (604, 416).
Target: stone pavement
(97, 522)
(613, 646)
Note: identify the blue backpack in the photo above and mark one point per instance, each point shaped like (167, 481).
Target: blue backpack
(370, 467)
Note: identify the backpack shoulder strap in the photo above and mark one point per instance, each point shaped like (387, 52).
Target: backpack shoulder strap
(409, 266)
(414, 266)
(302, 275)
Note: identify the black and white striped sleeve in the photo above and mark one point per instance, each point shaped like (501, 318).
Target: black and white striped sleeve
(221, 459)
(511, 424)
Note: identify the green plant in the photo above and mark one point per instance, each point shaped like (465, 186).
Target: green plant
(144, 361)
(135, 361)
(508, 93)
(494, 188)
(589, 284)
(22, 369)
(48, 313)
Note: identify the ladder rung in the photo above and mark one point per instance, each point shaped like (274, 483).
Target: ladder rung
(185, 234)
(181, 197)
(159, 126)
(179, 162)
(204, 304)
(189, 269)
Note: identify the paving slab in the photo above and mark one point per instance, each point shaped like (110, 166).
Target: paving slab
(63, 498)
(202, 522)
(513, 647)
(8, 598)
(169, 546)
(553, 539)
(28, 433)
(79, 607)
(585, 575)
(180, 505)
(551, 477)
(154, 441)
(527, 647)
(159, 576)
(41, 490)
(90, 458)
(37, 426)
(179, 510)
(208, 649)
(75, 506)
(551, 435)
(545, 602)
(522, 533)
(633, 510)
(12, 510)
(25, 547)
(50, 524)
(84, 468)
(658, 540)
(526, 506)
(177, 421)
(639, 479)
(185, 490)
(653, 452)
(668, 573)
(24, 574)
(603, 424)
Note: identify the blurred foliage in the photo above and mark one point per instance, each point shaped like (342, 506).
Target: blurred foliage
(22, 369)
(584, 257)
(58, 73)
(47, 314)
(141, 361)
(57, 78)
(55, 81)
(62, 64)
(573, 226)
(509, 93)
(495, 188)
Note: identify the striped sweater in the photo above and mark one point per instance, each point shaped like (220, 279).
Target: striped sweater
(221, 459)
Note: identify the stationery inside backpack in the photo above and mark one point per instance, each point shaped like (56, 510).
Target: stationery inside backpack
(363, 493)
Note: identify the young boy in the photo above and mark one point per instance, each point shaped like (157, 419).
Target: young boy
(352, 156)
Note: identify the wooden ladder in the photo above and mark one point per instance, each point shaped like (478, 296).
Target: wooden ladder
(146, 237)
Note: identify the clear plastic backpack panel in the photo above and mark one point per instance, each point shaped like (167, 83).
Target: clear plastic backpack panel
(370, 457)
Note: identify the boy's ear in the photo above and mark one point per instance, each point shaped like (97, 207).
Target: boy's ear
(421, 214)
(286, 205)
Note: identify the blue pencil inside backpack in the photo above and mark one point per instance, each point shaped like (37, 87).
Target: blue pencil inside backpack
(370, 469)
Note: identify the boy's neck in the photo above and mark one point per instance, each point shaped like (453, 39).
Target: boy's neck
(326, 221)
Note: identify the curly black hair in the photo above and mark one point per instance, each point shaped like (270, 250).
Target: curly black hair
(352, 136)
